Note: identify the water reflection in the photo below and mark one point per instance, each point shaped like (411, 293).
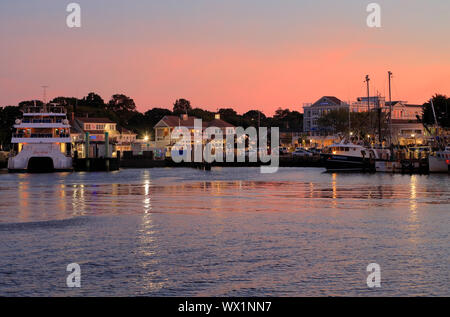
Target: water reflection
(228, 232)
(34, 198)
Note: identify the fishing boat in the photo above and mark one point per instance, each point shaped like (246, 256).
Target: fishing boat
(347, 156)
(440, 162)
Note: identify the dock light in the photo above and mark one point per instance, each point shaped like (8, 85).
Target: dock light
(351, 133)
(146, 138)
(413, 135)
(368, 136)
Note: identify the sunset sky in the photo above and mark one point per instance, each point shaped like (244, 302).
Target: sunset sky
(245, 54)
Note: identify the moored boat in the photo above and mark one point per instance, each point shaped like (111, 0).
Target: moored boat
(440, 162)
(42, 141)
(349, 157)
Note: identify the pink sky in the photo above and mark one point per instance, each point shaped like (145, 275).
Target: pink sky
(253, 66)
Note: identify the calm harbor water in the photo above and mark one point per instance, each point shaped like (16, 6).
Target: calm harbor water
(227, 232)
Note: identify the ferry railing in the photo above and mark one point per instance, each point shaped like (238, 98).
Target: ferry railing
(41, 135)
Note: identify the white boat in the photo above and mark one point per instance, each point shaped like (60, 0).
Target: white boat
(439, 163)
(349, 157)
(42, 141)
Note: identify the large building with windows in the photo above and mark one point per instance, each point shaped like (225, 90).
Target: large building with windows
(312, 113)
(406, 127)
(164, 128)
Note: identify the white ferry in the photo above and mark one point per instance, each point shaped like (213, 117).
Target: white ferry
(440, 162)
(42, 141)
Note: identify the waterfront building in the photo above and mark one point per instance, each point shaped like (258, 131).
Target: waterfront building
(165, 127)
(406, 128)
(97, 129)
(42, 140)
(312, 113)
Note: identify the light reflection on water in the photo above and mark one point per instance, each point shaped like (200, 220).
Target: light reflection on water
(225, 232)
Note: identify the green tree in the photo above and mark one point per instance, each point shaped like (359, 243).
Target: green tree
(251, 118)
(94, 100)
(30, 103)
(205, 115)
(181, 106)
(441, 107)
(334, 121)
(230, 116)
(153, 116)
(8, 116)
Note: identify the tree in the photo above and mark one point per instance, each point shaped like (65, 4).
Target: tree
(287, 120)
(334, 121)
(95, 101)
(231, 116)
(30, 103)
(121, 103)
(181, 106)
(65, 101)
(8, 116)
(441, 107)
(205, 115)
(253, 118)
(153, 116)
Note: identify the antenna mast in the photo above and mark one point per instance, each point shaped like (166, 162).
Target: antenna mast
(44, 96)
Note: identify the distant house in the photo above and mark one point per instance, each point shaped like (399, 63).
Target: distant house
(165, 127)
(313, 112)
(120, 138)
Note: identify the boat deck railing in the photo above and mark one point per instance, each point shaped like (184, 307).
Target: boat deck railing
(41, 135)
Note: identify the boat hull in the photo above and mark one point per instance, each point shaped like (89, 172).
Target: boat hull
(341, 163)
(40, 158)
(387, 167)
(438, 165)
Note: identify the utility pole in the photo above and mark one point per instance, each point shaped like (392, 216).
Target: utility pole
(390, 108)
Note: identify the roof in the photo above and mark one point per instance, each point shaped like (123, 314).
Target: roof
(125, 131)
(94, 120)
(175, 121)
(219, 123)
(95, 131)
(332, 99)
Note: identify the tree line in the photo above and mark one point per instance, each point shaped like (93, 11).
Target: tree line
(122, 110)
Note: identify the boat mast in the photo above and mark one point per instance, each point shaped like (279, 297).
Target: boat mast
(390, 108)
(435, 118)
(368, 102)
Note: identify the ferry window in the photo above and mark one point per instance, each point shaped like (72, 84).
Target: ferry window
(347, 149)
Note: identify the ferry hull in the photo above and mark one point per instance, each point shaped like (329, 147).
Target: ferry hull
(40, 158)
